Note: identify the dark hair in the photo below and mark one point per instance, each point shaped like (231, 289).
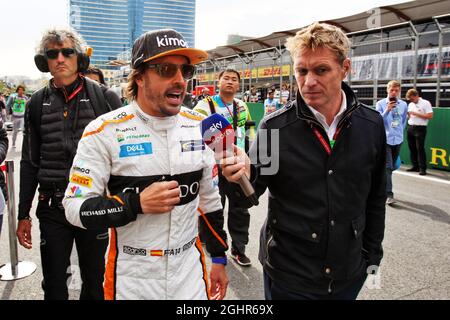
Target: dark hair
(20, 86)
(230, 70)
(132, 87)
(97, 71)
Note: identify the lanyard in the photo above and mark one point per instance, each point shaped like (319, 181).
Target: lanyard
(322, 140)
(74, 93)
(226, 106)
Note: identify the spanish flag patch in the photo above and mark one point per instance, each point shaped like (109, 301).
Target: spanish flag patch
(156, 253)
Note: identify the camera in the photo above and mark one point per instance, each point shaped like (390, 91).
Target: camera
(394, 99)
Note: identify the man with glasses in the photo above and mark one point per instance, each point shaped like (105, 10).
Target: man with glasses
(55, 118)
(150, 177)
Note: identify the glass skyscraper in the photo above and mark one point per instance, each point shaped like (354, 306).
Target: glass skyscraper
(111, 26)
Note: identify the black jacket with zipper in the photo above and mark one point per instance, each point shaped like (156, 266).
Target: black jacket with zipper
(325, 222)
(51, 137)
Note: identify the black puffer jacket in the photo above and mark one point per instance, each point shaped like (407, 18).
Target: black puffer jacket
(50, 142)
(325, 220)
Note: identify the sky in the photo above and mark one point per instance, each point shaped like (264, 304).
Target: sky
(215, 20)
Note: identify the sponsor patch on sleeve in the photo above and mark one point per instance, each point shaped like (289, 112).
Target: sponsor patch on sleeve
(81, 180)
(75, 192)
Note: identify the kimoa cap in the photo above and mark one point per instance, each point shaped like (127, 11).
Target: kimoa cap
(160, 43)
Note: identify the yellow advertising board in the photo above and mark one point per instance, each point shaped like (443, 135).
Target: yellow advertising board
(268, 72)
(261, 72)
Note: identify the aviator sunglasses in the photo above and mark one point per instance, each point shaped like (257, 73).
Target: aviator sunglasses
(168, 70)
(54, 53)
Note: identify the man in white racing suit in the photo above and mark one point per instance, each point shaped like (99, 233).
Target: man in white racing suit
(144, 171)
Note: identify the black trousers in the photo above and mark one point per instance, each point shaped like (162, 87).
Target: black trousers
(416, 144)
(57, 237)
(275, 291)
(238, 223)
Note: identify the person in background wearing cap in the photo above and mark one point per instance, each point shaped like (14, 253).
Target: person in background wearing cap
(55, 118)
(150, 177)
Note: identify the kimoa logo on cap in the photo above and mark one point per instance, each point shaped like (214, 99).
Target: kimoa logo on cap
(164, 42)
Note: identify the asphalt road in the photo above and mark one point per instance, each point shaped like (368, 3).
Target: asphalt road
(416, 245)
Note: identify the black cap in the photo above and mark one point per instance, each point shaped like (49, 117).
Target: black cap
(160, 43)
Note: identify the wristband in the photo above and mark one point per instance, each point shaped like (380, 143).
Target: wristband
(220, 260)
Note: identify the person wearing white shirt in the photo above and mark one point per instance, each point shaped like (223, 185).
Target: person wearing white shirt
(271, 104)
(284, 95)
(419, 113)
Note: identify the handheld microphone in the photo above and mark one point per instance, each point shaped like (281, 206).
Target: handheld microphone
(218, 135)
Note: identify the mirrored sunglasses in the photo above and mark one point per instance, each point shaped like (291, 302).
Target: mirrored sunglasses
(168, 70)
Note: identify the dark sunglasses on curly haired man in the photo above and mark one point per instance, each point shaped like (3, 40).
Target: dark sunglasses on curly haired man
(54, 53)
(168, 70)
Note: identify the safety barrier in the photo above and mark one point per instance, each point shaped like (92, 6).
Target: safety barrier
(15, 269)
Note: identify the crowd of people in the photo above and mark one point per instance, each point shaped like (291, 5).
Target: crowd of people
(141, 196)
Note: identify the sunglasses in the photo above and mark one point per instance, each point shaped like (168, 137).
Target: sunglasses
(54, 53)
(168, 70)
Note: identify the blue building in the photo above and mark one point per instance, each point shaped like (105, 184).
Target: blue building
(111, 26)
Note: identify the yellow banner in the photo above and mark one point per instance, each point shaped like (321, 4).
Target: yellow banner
(266, 72)
(203, 77)
(261, 72)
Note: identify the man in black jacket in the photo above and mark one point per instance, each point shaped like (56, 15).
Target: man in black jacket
(54, 122)
(325, 222)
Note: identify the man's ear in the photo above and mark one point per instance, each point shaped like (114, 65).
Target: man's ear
(139, 81)
(346, 65)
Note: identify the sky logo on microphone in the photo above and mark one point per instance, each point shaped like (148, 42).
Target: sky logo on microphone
(219, 135)
(216, 126)
(217, 132)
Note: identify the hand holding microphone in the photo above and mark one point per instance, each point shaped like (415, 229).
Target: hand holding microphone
(218, 134)
(235, 165)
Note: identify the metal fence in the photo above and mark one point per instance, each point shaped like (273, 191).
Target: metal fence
(416, 54)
